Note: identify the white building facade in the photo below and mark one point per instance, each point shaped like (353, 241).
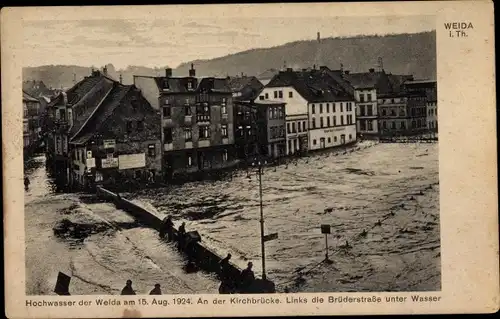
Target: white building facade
(366, 111)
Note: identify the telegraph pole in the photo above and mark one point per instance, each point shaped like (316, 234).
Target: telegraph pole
(262, 242)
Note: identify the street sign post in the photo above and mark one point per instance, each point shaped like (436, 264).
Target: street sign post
(326, 229)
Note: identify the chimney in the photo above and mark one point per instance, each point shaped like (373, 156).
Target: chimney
(192, 71)
(314, 67)
(289, 69)
(319, 37)
(105, 70)
(372, 70)
(168, 72)
(346, 72)
(121, 79)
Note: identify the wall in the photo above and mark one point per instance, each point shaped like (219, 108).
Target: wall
(338, 113)
(294, 105)
(365, 118)
(149, 90)
(205, 257)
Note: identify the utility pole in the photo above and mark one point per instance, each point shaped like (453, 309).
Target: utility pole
(262, 242)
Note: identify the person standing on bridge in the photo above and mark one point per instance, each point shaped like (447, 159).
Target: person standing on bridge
(26, 183)
(224, 267)
(128, 290)
(167, 228)
(247, 278)
(156, 290)
(181, 236)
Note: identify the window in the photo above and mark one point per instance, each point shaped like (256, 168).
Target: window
(334, 120)
(275, 94)
(393, 112)
(313, 123)
(362, 125)
(383, 112)
(224, 156)
(328, 121)
(190, 85)
(327, 107)
(341, 107)
(167, 135)
(403, 125)
(369, 97)
(280, 93)
(361, 97)
(267, 96)
(304, 126)
(320, 108)
(223, 109)
(151, 150)
(289, 146)
(189, 160)
(361, 110)
(188, 110)
(140, 126)
(321, 122)
(299, 128)
(393, 125)
(130, 127)
(271, 113)
(293, 128)
(224, 130)
(203, 113)
(314, 142)
(261, 97)
(350, 136)
(290, 94)
(329, 140)
(166, 111)
(313, 108)
(333, 107)
(370, 125)
(281, 112)
(341, 120)
(392, 101)
(335, 139)
(369, 110)
(188, 134)
(288, 128)
(384, 125)
(204, 132)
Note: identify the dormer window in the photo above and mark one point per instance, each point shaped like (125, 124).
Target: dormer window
(190, 85)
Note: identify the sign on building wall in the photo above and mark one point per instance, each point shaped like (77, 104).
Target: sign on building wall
(132, 161)
(90, 162)
(109, 143)
(109, 162)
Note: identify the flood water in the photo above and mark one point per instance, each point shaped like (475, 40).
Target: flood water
(382, 199)
(101, 249)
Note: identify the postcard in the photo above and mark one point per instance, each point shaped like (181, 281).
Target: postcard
(250, 159)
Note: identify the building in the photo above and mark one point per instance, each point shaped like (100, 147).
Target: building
(197, 122)
(260, 129)
(245, 88)
(429, 88)
(271, 128)
(104, 132)
(320, 112)
(31, 123)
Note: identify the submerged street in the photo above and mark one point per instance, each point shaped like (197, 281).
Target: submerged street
(383, 199)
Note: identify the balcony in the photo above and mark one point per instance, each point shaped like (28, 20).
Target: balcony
(188, 120)
(204, 143)
(168, 147)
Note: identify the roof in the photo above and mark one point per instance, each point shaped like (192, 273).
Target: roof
(102, 113)
(268, 74)
(36, 88)
(176, 84)
(421, 82)
(28, 98)
(248, 86)
(313, 85)
(212, 84)
(385, 83)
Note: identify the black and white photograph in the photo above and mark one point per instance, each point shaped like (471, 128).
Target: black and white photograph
(231, 155)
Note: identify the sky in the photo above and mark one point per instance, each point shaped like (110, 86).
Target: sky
(161, 42)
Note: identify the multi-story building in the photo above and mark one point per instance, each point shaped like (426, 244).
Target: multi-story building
(104, 132)
(429, 88)
(245, 88)
(320, 112)
(197, 121)
(31, 123)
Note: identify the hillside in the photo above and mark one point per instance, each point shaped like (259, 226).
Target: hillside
(401, 53)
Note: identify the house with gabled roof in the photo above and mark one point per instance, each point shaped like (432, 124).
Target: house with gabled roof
(104, 132)
(197, 122)
(319, 110)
